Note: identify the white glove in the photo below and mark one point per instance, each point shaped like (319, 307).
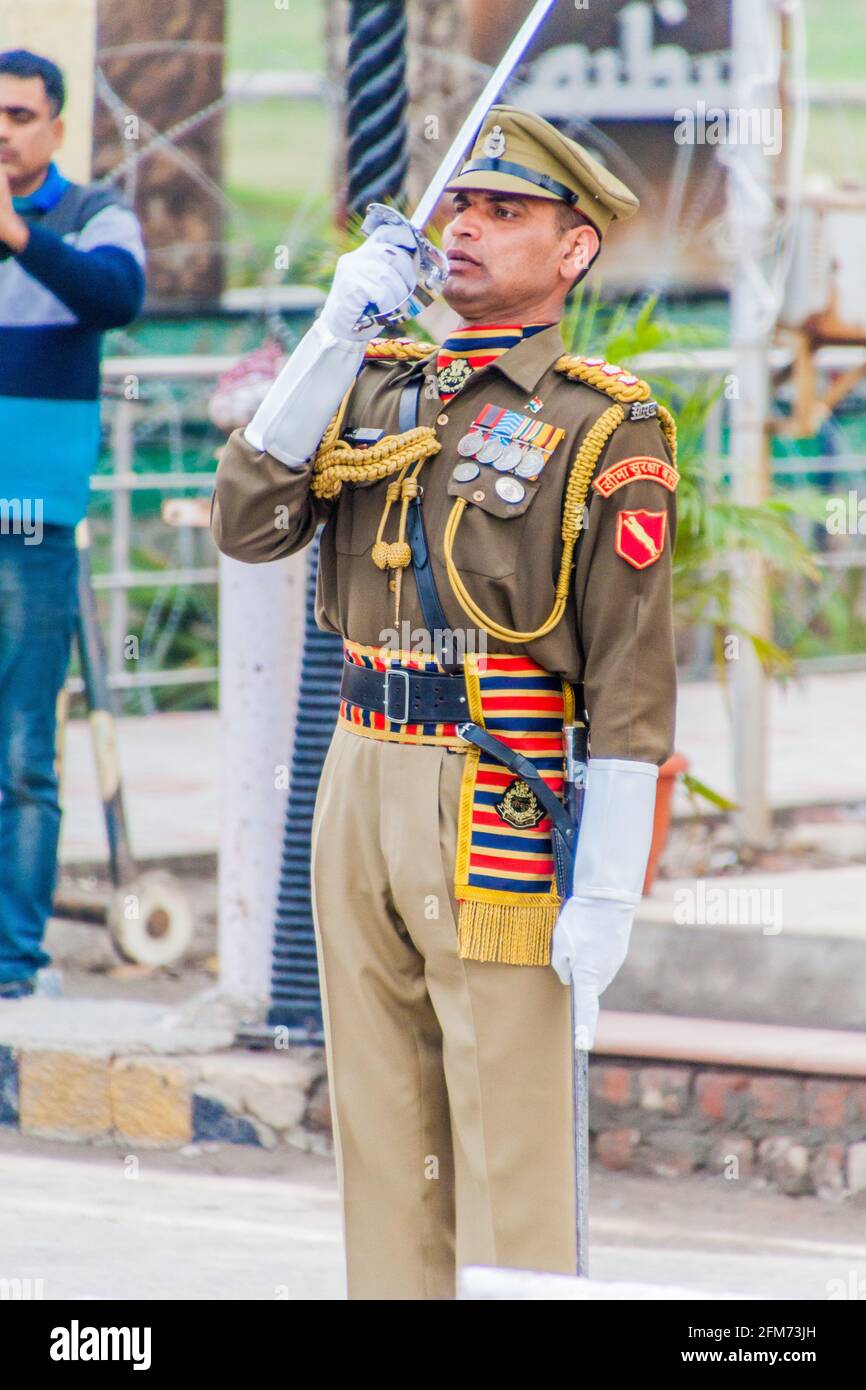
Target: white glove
(295, 413)
(590, 942)
(591, 935)
(382, 272)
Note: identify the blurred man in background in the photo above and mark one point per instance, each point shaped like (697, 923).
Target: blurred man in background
(71, 266)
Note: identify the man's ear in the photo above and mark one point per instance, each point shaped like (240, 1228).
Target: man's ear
(59, 126)
(583, 247)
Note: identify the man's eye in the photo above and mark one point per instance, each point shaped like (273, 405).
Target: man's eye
(504, 212)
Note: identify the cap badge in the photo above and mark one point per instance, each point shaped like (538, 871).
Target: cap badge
(494, 145)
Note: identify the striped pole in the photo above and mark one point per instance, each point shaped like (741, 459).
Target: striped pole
(377, 160)
(376, 127)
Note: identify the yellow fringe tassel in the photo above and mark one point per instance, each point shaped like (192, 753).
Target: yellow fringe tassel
(514, 934)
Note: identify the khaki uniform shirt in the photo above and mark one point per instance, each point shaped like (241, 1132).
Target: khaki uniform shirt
(616, 634)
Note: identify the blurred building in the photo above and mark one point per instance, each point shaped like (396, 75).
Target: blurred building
(621, 76)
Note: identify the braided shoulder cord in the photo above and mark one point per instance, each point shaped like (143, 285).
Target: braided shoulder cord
(621, 385)
(576, 491)
(336, 462)
(669, 430)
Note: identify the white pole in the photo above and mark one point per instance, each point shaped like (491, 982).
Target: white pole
(261, 644)
(750, 211)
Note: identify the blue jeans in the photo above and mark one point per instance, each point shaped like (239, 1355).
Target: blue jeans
(38, 607)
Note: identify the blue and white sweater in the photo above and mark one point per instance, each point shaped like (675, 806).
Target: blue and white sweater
(81, 272)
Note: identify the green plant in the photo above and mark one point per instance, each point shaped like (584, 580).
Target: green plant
(711, 526)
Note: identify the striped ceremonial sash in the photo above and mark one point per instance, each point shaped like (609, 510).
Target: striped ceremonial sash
(505, 877)
(504, 874)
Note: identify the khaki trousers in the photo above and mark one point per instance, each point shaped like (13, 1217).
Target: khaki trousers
(450, 1079)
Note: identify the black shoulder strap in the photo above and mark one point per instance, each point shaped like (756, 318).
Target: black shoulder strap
(428, 596)
(408, 408)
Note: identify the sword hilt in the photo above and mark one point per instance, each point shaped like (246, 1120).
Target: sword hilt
(433, 270)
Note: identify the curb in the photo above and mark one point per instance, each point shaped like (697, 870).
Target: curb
(167, 1101)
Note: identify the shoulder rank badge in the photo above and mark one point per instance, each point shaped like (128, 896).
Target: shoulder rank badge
(629, 470)
(520, 806)
(640, 537)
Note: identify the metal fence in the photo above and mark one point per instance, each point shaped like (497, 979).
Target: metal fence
(124, 480)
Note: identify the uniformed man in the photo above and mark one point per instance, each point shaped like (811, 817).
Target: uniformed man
(523, 501)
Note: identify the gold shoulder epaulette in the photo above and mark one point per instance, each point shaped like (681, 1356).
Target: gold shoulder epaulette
(616, 382)
(397, 350)
(623, 387)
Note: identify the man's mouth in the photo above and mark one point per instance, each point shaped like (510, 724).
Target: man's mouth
(458, 260)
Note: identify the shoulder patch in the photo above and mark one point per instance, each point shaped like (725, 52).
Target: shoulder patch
(643, 410)
(640, 537)
(397, 350)
(629, 470)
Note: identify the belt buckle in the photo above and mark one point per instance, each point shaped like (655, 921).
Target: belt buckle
(388, 715)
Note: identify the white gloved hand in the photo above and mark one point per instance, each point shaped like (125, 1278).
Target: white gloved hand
(382, 272)
(590, 943)
(591, 935)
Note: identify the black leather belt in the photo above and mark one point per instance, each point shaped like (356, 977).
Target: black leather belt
(406, 697)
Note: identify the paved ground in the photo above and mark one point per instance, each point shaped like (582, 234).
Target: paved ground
(170, 763)
(234, 1223)
(811, 903)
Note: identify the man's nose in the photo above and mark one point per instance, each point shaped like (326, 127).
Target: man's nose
(466, 223)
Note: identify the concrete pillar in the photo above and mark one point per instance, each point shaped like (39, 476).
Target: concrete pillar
(751, 181)
(261, 641)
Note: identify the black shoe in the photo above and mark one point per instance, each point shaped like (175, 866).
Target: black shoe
(17, 989)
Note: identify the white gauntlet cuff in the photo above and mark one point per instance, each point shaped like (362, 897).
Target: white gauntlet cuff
(615, 829)
(295, 413)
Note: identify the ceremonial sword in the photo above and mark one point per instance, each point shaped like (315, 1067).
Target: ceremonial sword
(434, 268)
(576, 767)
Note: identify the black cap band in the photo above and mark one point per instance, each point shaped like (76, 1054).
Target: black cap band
(504, 166)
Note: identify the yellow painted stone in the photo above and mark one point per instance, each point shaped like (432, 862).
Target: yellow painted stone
(64, 1095)
(150, 1101)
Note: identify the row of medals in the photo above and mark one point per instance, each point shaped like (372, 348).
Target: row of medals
(507, 457)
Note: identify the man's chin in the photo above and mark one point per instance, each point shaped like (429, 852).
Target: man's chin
(463, 300)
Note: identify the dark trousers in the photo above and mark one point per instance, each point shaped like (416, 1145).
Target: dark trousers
(38, 606)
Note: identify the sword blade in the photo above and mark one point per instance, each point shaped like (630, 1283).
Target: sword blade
(469, 129)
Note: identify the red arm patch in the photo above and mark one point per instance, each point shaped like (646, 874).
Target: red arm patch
(640, 536)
